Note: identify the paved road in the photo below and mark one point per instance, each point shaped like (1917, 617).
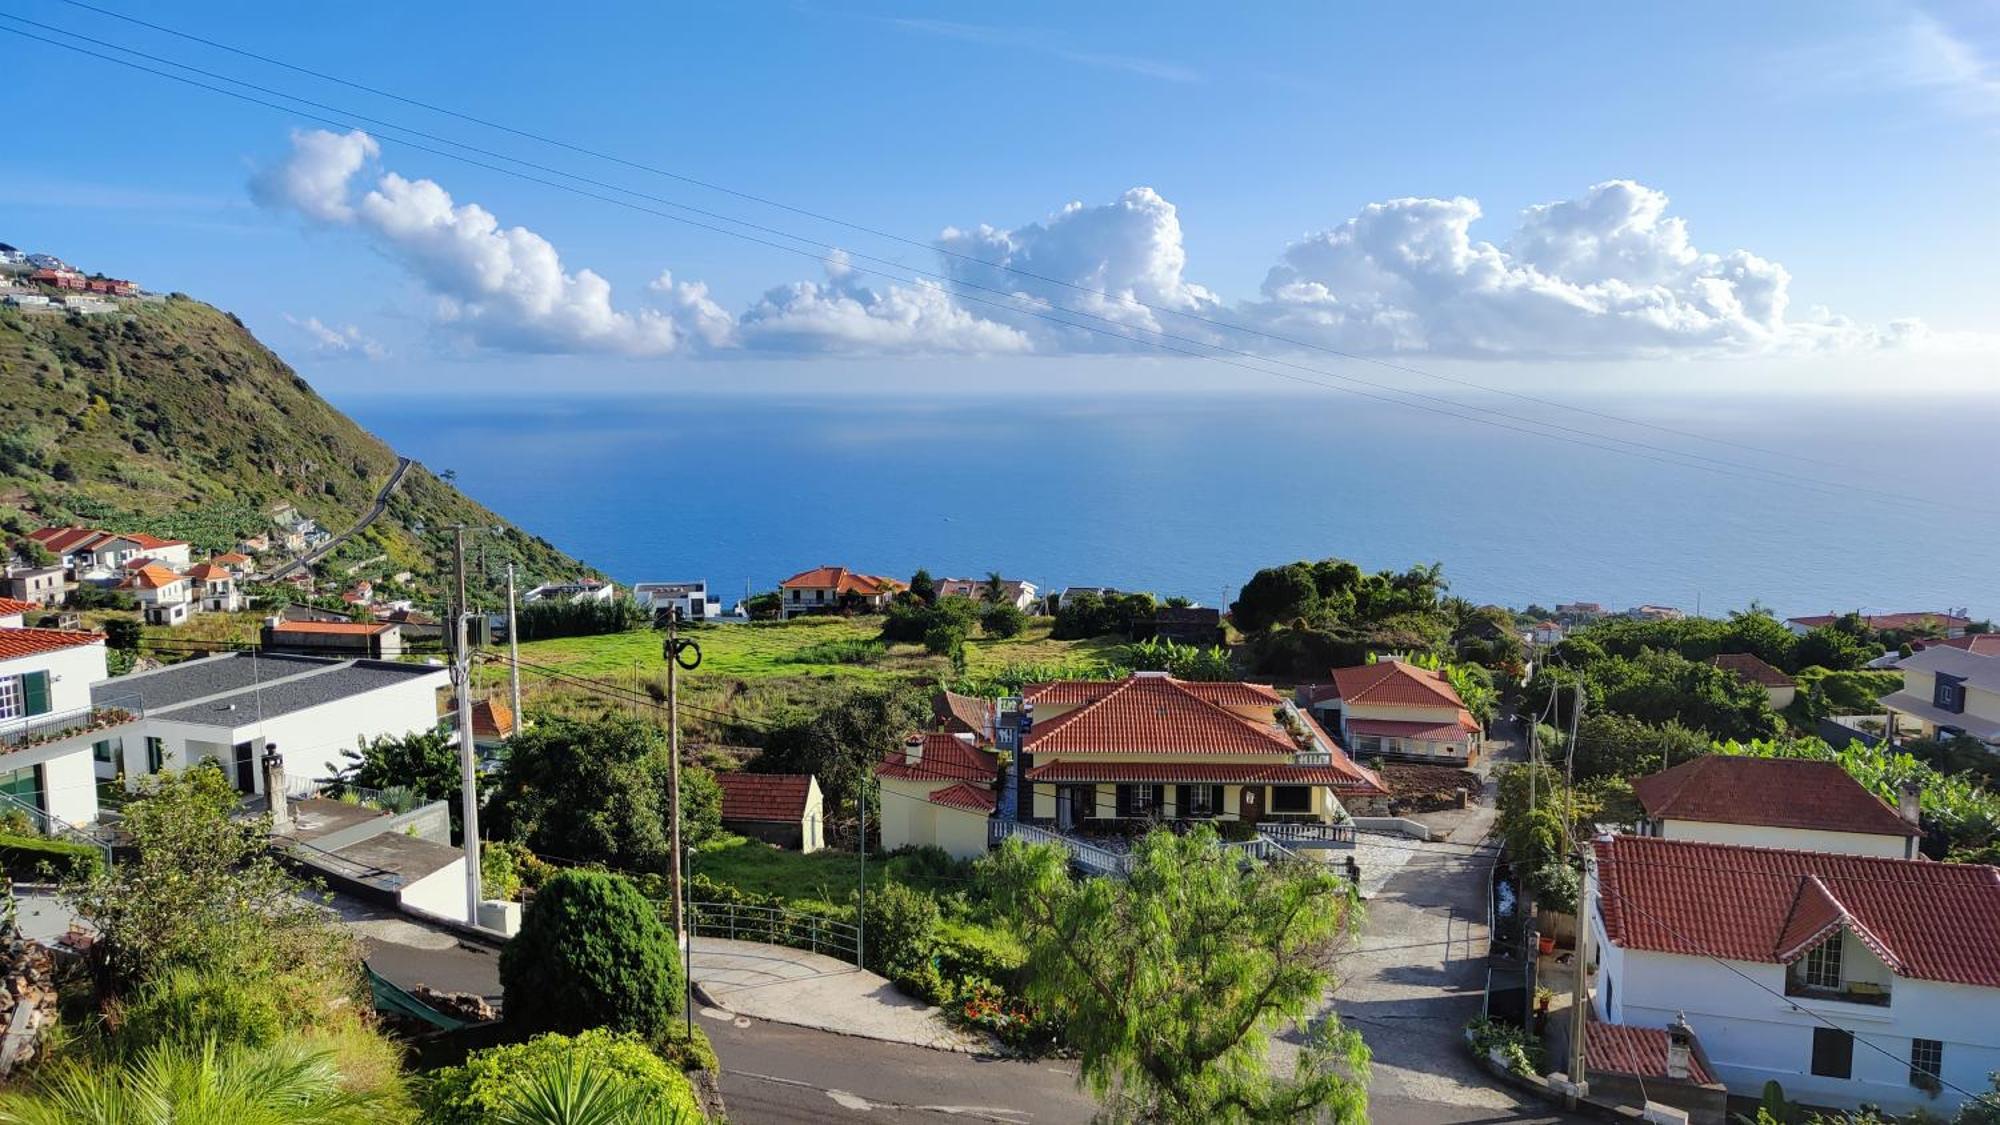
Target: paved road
(374, 512)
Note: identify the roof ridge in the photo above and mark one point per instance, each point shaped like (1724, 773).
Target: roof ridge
(1255, 727)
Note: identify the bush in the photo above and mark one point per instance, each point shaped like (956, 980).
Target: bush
(592, 952)
(944, 637)
(188, 1006)
(687, 1052)
(542, 620)
(1524, 1053)
(901, 929)
(493, 1083)
(1003, 620)
(500, 871)
(30, 858)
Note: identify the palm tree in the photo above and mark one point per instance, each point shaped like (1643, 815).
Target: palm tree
(197, 1084)
(570, 1093)
(995, 591)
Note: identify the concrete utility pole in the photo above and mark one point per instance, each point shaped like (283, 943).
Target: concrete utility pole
(513, 654)
(458, 566)
(468, 771)
(672, 653)
(1579, 1010)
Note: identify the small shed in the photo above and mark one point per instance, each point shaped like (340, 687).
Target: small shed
(777, 808)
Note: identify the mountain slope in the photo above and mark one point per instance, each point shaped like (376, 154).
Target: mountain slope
(175, 420)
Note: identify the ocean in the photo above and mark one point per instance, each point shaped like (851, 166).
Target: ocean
(1190, 493)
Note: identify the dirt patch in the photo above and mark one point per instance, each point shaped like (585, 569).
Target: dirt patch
(1417, 788)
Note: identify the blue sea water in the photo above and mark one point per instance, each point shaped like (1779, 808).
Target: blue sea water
(1191, 493)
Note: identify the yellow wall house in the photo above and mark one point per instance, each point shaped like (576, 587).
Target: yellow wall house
(938, 791)
(1154, 747)
(1394, 709)
(1947, 691)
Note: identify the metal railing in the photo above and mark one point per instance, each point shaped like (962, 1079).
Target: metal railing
(776, 925)
(1088, 856)
(51, 825)
(39, 730)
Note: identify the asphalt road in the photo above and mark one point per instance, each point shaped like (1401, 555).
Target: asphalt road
(374, 512)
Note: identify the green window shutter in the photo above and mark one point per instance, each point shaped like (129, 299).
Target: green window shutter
(35, 693)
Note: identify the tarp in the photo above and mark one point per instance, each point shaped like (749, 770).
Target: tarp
(389, 997)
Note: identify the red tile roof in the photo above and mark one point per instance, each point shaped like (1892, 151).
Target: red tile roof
(16, 643)
(1249, 773)
(152, 576)
(230, 558)
(334, 628)
(1751, 667)
(1395, 683)
(63, 540)
(208, 572)
(1614, 1048)
(492, 718)
(151, 542)
(965, 796)
(1154, 713)
(1979, 644)
(1926, 920)
(842, 581)
(11, 607)
(1773, 792)
(963, 713)
(1887, 620)
(940, 757)
(764, 796)
(1397, 728)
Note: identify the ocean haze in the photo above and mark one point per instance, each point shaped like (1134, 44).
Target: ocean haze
(1191, 493)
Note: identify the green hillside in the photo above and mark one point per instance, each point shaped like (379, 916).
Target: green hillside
(174, 420)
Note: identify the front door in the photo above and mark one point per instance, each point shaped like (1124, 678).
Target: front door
(246, 768)
(1252, 804)
(1073, 805)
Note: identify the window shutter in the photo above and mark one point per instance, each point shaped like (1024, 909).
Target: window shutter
(35, 693)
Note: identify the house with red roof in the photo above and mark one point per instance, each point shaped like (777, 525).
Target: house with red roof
(165, 597)
(1848, 979)
(50, 730)
(375, 640)
(939, 789)
(835, 589)
(778, 808)
(1778, 687)
(1775, 803)
(14, 612)
(214, 588)
(1397, 710)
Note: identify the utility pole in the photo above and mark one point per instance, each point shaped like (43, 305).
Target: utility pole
(672, 651)
(513, 653)
(1579, 1004)
(468, 774)
(458, 565)
(861, 915)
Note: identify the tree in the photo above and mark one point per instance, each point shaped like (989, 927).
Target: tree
(592, 952)
(596, 790)
(425, 762)
(1002, 619)
(1837, 648)
(765, 606)
(923, 587)
(198, 1083)
(122, 634)
(841, 742)
(1613, 745)
(1276, 595)
(1173, 980)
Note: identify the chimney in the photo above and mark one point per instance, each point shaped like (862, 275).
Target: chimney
(274, 788)
(1680, 1047)
(913, 750)
(1908, 802)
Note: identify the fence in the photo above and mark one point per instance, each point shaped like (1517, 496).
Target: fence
(1088, 856)
(1307, 833)
(49, 824)
(61, 726)
(776, 925)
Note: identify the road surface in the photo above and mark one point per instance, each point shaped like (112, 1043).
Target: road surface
(374, 512)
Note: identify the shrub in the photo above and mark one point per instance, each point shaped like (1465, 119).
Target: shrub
(28, 858)
(1003, 620)
(1524, 1053)
(499, 870)
(687, 1052)
(493, 1083)
(901, 929)
(592, 952)
(943, 637)
(188, 1006)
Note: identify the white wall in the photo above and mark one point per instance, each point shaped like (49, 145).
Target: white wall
(1802, 839)
(71, 672)
(70, 784)
(442, 892)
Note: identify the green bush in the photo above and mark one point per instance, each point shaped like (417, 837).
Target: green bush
(493, 1083)
(189, 1006)
(592, 952)
(1004, 619)
(687, 1052)
(901, 929)
(30, 858)
(500, 870)
(849, 651)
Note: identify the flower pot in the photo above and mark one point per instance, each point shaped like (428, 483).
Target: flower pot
(1545, 945)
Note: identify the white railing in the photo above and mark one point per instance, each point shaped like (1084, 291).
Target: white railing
(1313, 758)
(1090, 857)
(1308, 833)
(39, 730)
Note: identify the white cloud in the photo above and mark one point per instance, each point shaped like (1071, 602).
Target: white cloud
(1918, 52)
(313, 179)
(843, 315)
(333, 341)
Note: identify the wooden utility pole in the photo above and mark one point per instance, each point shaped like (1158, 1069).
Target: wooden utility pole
(513, 654)
(1579, 1010)
(674, 769)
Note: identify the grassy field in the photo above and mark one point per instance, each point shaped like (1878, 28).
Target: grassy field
(827, 878)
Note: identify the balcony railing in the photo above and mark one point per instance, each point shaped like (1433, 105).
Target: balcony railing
(1088, 856)
(1850, 992)
(60, 726)
(1308, 833)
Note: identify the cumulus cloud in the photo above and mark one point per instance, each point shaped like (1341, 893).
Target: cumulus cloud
(842, 315)
(313, 180)
(335, 341)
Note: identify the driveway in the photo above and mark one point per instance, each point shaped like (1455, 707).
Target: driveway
(781, 985)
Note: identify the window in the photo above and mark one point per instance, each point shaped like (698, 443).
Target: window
(1833, 1053)
(106, 750)
(1926, 1063)
(1949, 693)
(156, 754)
(1140, 800)
(1291, 798)
(24, 787)
(1200, 800)
(1822, 965)
(10, 698)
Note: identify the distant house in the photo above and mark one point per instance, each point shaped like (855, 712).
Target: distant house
(214, 588)
(1183, 625)
(964, 714)
(49, 262)
(1947, 692)
(165, 598)
(1780, 688)
(778, 808)
(830, 589)
(111, 286)
(42, 585)
(379, 640)
(1775, 803)
(1949, 624)
(1579, 611)
(1013, 591)
(57, 278)
(1069, 594)
(255, 544)
(693, 599)
(1396, 710)
(1546, 633)
(1654, 613)
(236, 562)
(584, 590)
(77, 549)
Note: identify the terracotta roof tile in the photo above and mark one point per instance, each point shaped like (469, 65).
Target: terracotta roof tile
(1772, 792)
(1979, 644)
(939, 756)
(1395, 683)
(151, 576)
(492, 718)
(1887, 620)
(152, 542)
(208, 572)
(764, 796)
(964, 796)
(841, 580)
(1614, 1048)
(63, 540)
(1249, 773)
(963, 713)
(16, 643)
(1153, 713)
(1928, 921)
(1396, 728)
(1752, 667)
(10, 607)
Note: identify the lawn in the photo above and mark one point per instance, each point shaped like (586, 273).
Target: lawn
(827, 877)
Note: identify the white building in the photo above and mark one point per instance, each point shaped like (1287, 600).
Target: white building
(1846, 979)
(213, 588)
(1013, 591)
(165, 598)
(1947, 691)
(46, 719)
(693, 599)
(1775, 803)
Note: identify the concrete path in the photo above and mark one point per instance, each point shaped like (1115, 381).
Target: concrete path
(770, 982)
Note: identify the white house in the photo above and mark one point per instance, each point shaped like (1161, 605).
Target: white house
(1775, 803)
(164, 597)
(828, 589)
(213, 588)
(1847, 979)
(48, 722)
(1394, 709)
(230, 706)
(693, 599)
(1013, 591)
(586, 590)
(42, 585)
(1947, 691)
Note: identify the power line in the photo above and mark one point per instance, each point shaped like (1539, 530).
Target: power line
(969, 259)
(1672, 457)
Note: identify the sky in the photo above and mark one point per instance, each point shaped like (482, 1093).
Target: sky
(1592, 198)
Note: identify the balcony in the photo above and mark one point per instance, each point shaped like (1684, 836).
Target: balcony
(1871, 993)
(62, 726)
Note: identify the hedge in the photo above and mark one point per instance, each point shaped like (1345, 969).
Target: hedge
(25, 857)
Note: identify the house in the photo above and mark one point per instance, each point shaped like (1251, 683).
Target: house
(77, 549)
(57, 278)
(1546, 633)
(1775, 803)
(1846, 979)
(401, 860)
(14, 614)
(1780, 688)
(42, 585)
(1949, 624)
(1183, 625)
(938, 791)
(1579, 611)
(10, 256)
(214, 588)
(964, 714)
(255, 544)
(1979, 644)
(1654, 613)
(1069, 594)
(1394, 709)
(1632, 1066)
(164, 597)
(1947, 692)
(778, 808)
(692, 599)
(583, 590)
(1013, 591)
(49, 723)
(111, 286)
(49, 262)
(230, 707)
(33, 301)
(492, 722)
(235, 562)
(1152, 747)
(831, 589)
(379, 640)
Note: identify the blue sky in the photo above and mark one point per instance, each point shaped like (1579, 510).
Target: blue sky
(1849, 149)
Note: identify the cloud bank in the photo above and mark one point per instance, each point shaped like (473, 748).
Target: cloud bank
(1611, 274)
(334, 341)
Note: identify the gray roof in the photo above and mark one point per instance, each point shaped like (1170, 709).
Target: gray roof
(1979, 671)
(400, 859)
(340, 679)
(190, 680)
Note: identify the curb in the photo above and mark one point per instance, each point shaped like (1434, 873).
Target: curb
(707, 1000)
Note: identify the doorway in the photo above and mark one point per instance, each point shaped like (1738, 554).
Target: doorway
(246, 767)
